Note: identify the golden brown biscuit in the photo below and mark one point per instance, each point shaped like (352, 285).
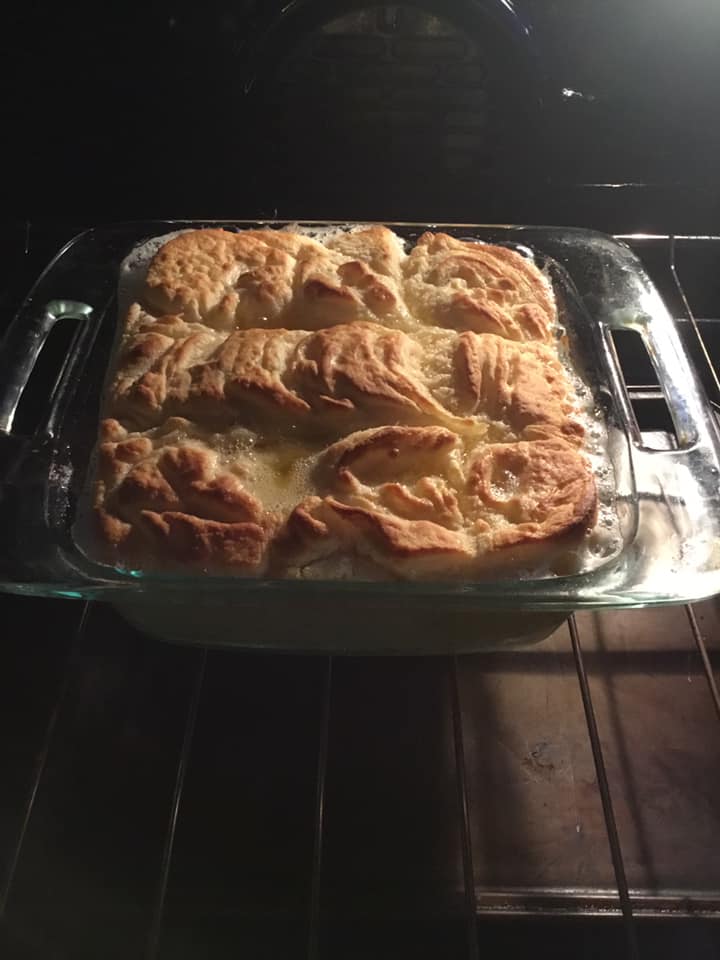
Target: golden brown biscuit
(328, 527)
(168, 492)
(272, 278)
(440, 515)
(225, 279)
(154, 362)
(333, 377)
(390, 452)
(408, 471)
(477, 286)
(522, 492)
(376, 246)
(321, 379)
(524, 387)
(389, 498)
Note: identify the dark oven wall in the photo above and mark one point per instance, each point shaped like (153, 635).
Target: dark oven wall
(504, 110)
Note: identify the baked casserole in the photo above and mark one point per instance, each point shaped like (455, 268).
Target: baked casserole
(284, 404)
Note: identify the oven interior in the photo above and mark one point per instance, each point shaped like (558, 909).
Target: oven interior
(161, 801)
(197, 802)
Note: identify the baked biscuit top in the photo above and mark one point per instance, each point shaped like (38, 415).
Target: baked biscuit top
(279, 403)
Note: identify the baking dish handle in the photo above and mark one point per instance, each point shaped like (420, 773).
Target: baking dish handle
(679, 382)
(21, 348)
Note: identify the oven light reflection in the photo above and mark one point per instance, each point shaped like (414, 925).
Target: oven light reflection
(571, 94)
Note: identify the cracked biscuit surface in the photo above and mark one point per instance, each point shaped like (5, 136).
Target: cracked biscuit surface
(294, 407)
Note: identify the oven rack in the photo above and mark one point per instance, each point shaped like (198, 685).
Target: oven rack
(578, 653)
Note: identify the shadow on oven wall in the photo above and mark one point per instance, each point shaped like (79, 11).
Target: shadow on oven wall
(491, 110)
(403, 110)
(332, 108)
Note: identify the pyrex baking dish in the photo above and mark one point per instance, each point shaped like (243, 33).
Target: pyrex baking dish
(668, 501)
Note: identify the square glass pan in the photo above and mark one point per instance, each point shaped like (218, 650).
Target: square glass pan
(668, 501)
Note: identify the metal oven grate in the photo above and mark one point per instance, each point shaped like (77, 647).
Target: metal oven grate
(170, 802)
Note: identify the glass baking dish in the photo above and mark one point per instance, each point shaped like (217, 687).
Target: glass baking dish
(668, 501)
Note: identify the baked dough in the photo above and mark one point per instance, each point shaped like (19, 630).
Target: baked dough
(476, 286)
(407, 499)
(168, 491)
(289, 407)
(275, 278)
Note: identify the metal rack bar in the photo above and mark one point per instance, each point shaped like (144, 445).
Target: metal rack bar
(466, 834)
(314, 924)
(153, 943)
(42, 761)
(605, 797)
(699, 641)
(694, 626)
(704, 656)
(690, 314)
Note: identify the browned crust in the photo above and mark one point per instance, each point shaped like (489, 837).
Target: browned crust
(389, 452)
(173, 497)
(375, 247)
(205, 274)
(542, 490)
(523, 386)
(356, 369)
(189, 539)
(320, 527)
(271, 278)
(500, 291)
(399, 537)
(285, 336)
(513, 495)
